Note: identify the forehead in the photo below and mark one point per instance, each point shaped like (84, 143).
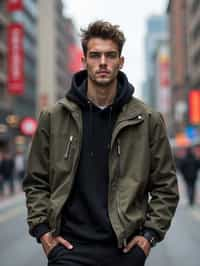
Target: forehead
(101, 45)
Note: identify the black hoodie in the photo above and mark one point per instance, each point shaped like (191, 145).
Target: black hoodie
(85, 214)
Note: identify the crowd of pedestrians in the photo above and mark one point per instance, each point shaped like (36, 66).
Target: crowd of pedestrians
(11, 172)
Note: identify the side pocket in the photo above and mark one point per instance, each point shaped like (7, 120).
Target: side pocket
(141, 250)
(53, 252)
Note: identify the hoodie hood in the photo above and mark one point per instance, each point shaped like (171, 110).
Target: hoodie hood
(78, 90)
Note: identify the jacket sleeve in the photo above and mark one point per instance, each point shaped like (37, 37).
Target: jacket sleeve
(163, 187)
(36, 181)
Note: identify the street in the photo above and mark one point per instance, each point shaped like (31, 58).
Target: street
(180, 248)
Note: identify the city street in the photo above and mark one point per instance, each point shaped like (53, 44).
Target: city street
(180, 248)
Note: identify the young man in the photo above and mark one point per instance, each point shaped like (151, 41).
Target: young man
(100, 185)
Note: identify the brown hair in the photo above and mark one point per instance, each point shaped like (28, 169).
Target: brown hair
(104, 30)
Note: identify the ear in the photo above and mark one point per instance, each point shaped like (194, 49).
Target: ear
(121, 63)
(83, 60)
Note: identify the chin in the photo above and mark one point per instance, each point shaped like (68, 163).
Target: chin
(104, 82)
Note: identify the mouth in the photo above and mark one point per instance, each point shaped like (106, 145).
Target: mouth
(103, 72)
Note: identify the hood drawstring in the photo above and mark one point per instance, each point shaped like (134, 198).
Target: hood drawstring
(109, 127)
(91, 127)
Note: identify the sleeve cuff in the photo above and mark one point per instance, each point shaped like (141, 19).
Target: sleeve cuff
(40, 230)
(151, 232)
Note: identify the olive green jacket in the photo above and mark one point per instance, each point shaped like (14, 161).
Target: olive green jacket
(143, 189)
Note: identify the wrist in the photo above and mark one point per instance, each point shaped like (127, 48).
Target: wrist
(45, 237)
(150, 238)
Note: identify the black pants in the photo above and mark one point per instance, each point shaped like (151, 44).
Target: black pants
(95, 255)
(191, 192)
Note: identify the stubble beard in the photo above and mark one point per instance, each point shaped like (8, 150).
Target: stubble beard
(103, 83)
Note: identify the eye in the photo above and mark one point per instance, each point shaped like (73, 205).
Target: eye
(111, 55)
(94, 55)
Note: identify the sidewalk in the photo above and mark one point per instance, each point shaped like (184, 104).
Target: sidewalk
(7, 199)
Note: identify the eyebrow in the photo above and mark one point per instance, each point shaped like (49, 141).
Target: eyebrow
(99, 52)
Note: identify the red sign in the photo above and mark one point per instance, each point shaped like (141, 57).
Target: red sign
(164, 73)
(194, 107)
(15, 59)
(74, 54)
(14, 5)
(28, 126)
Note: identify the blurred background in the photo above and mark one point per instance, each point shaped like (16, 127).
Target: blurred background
(39, 52)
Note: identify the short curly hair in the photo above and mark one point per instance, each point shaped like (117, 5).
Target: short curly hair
(104, 30)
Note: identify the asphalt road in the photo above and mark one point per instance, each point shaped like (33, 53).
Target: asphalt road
(180, 248)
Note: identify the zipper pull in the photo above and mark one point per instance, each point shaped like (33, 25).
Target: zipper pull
(118, 147)
(68, 148)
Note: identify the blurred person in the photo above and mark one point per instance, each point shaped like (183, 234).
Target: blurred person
(8, 171)
(19, 165)
(96, 157)
(189, 167)
(1, 176)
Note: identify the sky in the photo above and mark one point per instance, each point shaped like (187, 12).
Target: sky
(131, 16)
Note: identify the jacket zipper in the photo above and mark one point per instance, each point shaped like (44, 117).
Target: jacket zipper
(124, 240)
(66, 156)
(68, 148)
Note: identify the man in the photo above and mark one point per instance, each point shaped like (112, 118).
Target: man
(101, 186)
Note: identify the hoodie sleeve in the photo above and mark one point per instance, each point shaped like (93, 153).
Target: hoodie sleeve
(163, 187)
(36, 181)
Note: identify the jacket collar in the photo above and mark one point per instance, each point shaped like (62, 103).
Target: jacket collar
(129, 111)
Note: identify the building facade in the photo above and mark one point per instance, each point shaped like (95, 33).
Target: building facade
(157, 32)
(185, 64)
(179, 62)
(23, 91)
(52, 59)
(18, 66)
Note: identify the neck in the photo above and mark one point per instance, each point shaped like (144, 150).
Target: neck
(101, 95)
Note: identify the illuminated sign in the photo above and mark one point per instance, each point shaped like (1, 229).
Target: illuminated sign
(14, 5)
(194, 107)
(15, 59)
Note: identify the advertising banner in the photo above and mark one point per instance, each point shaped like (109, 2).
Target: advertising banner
(194, 106)
(14, 5)
(15, 59)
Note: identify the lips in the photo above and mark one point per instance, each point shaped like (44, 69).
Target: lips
(103, 72)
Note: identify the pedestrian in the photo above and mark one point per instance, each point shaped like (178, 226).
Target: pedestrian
(8, 171)
(189, 167)
(1, 176)
(100, 185)
(20, 165)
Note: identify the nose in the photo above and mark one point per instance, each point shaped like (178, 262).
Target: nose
(103, 60)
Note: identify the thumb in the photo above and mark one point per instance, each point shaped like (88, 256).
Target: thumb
(64, 242)
(130, 245)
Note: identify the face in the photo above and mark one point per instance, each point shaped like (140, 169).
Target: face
(102, 61)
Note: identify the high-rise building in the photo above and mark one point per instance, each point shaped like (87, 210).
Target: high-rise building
(157, 32)
(4, 20)
(4, 103)
(163, 83)
(22, 56)
(179, 62)
(193, 26)
(193, 52)
(52, 57)
(18, 44)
